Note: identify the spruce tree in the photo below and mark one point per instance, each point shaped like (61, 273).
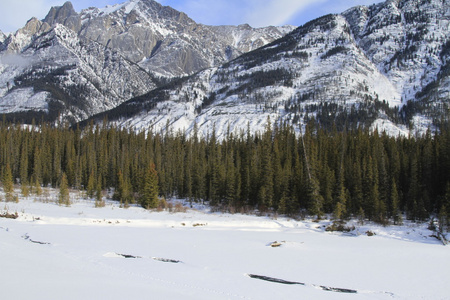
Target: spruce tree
(340, 209)
(266, 189)
(8, 184)
(37, 166)
(122, 192)
(413, 189)
(149, 194)
(91, 187)
(24, 163)
(314, 198)
(37, 188)
(99, 202)
(64, 198)
(396, 214)
(24, 187)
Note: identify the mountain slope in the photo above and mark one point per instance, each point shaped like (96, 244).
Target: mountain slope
(407, 41)
(56, 73)
(368, 66)
(75, 65)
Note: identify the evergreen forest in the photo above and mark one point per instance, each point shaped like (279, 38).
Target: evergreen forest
(359, 174)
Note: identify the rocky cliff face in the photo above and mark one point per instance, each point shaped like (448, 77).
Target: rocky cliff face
(74, 65)
(167, 41)
(64, 15)
(382, 66)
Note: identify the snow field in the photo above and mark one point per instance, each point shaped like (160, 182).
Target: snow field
(78, 252)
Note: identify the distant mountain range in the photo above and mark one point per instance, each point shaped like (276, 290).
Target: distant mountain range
(147, 66)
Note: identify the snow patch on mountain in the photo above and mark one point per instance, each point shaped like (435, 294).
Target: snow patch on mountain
(24, 100)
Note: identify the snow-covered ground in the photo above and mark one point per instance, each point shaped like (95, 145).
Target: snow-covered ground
(83, 252)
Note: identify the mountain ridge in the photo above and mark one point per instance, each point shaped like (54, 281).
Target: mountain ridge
(384, 66)
(107, 56)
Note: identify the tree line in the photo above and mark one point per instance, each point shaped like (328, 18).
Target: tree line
(345, 173)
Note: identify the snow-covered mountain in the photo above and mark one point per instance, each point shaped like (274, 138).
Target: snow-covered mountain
(383, 66)
(2, 37)
(74, 65)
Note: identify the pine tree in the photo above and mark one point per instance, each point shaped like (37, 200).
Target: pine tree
(8, 184)
(149, 195)
(122, 192)
(314, 198)
(37, 166)
(24, 163)
(371, 203)
(361, 215)
(413, 190)
(340, 209)
(64, 198)
(37, 188)
(91, 187)
(341, 193)
(230, 180)
(327, 182)
(99, 202)
(444, 212)
(265, 193)
(443, 220)
(25, 189)
(396, 214)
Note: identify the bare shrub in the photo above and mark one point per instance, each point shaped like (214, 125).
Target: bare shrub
(162, 205)
(339, 226)
(180, 208)
(100, 203)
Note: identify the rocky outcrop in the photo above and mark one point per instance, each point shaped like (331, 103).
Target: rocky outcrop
(167, 41)
(65, 15)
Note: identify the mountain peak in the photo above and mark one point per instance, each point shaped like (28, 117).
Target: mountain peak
(2, 37)
(60, 13)
(65, 15)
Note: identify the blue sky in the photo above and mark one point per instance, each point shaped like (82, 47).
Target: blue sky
(257, 13)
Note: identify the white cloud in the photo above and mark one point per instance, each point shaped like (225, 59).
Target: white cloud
(254, 12)
(217, 12)
(276, 12)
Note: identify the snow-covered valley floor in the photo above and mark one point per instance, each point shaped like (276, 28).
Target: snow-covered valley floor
(83, 252)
